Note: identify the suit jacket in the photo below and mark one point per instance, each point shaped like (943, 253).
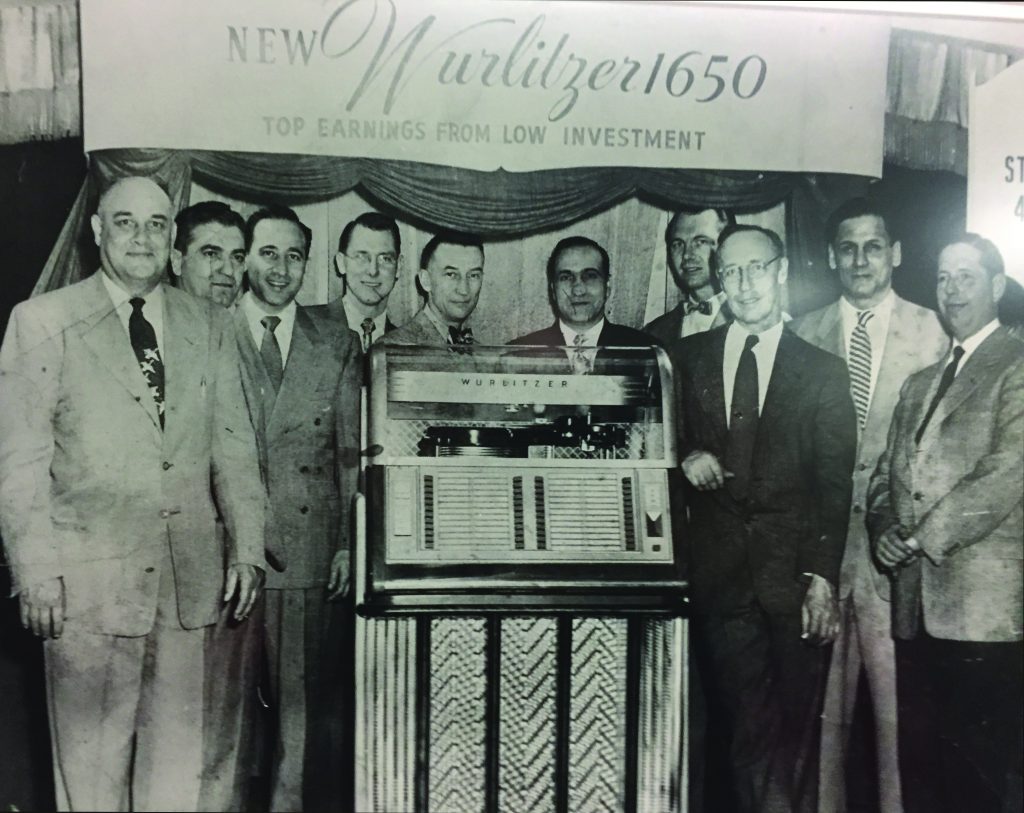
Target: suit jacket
(418, 330)
(335, 309)
(915, 339)
(668, 327)
(612, 335)
(960, 492)
(110, 490)
(308, 440)
(794, 519)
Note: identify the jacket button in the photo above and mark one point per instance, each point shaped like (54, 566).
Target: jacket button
(316, 422)
(303, 469)
(167, 465)
(164, 513)
(857, 509)
(304, 509)
(918, 496)
(149, 570)
(862, 466)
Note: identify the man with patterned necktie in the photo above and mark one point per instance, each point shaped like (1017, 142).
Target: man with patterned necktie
(368, 262)
(768, 435)
(451, 275)
(302, 374)
(883, 339)
(691, 240)
(135, 440)
(578, 275)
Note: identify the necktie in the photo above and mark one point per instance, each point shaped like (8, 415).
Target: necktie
(143, 338)
(581, 363)
(743, 417)
(859, 364)
(367, 326)
(270, 351)
(947, 378)
(698, 307)
(457, 336)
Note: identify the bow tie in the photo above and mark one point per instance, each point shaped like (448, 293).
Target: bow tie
(701, 307)
(457, 336)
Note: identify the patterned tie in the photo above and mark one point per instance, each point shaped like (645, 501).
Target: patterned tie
(367, 326)
(270, 351)
(947, 378)
(148, 354)
(859, 364)
(581, 363)
(697, 307)
(743, 418)
(457, 336)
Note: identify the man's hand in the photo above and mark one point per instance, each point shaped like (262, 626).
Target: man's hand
(891, 550)
(246, 581)
(42, 608)
(819, 615)
(338, 584)
(704, 471)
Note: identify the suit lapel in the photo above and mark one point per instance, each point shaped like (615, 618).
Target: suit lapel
(255, 381)
(829, 333)
(184, 369)
(783, 385)
(302, 373)
(105, 334)
(708, 377)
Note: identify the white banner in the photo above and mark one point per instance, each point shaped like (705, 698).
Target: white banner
(484, 85)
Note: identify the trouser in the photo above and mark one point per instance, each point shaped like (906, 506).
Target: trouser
(960, 725)
(865, 640)
(770, 687)
(104, 691)
(231, 709)
(308, 650)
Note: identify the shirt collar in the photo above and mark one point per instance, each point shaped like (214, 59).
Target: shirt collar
(119, 296)
(766, 338)
(256, 310)
(355, 318)
(881, 311)
(439, 323)
(590, 335)
(971, 343)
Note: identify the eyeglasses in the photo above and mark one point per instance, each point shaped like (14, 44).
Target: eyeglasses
(756, 270)
(385, 262)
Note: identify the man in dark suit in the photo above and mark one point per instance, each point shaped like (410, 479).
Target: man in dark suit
(768, 441)
(135, 438)
(578, 274)
(946, 515)
(690, 243)
(883, 339)
(368, 262)
(302, 378)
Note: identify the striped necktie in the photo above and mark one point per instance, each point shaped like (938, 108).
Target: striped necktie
(859, 363)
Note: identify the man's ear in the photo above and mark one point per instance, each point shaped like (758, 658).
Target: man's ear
(339, 264)
(998, 287)
(176, 258)
(97, 227)
(424, 280)
(783, 270)
(897, 254)
(832, 258)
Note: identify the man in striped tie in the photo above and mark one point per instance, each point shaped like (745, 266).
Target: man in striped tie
(883, 339)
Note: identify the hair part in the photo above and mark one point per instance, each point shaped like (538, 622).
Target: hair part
(747, 228)
(200, 214)
(853, 208)
(449, 238)
(374, 221)
(576, 241)
(725, 218)
(989, 254)
(276, 212)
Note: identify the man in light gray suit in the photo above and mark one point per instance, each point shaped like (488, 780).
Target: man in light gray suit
(946, 516)
(883, 339)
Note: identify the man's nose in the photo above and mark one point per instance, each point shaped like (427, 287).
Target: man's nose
(578, 287)
(860, 259)
(462, 286)
(373, 268)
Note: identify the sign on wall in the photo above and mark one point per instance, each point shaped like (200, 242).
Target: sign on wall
(519, 85)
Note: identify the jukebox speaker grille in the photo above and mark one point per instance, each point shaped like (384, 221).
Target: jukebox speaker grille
(584, 511)
(474, 509)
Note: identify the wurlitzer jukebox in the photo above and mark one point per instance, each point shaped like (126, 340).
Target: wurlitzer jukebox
(520, 643)
(497, 478)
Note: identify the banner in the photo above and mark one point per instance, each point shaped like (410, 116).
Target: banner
(486, 85)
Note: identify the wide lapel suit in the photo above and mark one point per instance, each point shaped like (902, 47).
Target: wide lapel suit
(668, 327)
(419, 330)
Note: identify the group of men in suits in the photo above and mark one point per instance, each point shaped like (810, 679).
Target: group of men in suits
(177, 467)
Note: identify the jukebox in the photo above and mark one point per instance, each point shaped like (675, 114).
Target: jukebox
(520, 590)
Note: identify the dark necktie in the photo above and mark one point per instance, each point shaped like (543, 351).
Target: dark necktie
(944, 383)
(270, 351)
(144, 344)
(743, 416)
(697, 307)
(460, 336)
(367, 326)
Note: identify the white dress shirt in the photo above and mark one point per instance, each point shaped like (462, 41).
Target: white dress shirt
(153, 309)
(764, 354)
(877, 328)
(970, 344)
(355, 320)
(590, 339)
(255, 311)
(697, 322)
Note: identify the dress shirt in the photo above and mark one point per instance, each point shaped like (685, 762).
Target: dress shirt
(590, 338)
(698, 322)
(355, 320)
(764, 354)
(254, 313)
(153, 310)
(970, 344)
(877, 328)
(441, 325)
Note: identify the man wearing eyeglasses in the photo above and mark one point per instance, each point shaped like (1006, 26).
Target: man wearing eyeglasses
(578, 286)
(883, 339)
(208, 259)
(369, 252)
(768, 440)
(690, 242)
